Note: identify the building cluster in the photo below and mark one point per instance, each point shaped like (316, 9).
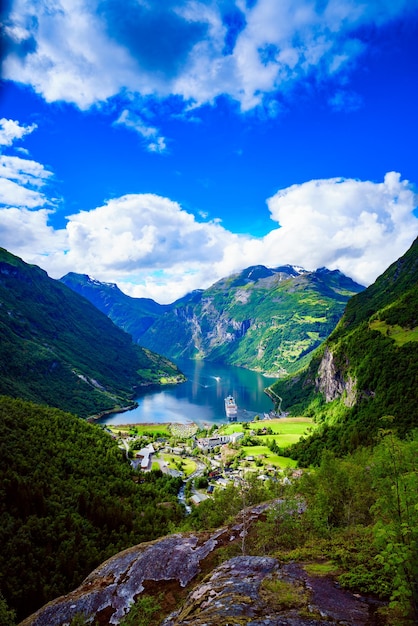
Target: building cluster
(209, 443)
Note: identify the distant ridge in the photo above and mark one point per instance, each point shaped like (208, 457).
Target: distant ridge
(265, 319)
(59, 349)
(133, 315)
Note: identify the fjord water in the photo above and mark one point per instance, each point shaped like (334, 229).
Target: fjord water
(201, 398)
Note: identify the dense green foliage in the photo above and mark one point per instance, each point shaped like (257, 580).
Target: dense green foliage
(58, 349)
(362, 513)
(262, 319)
(68, 500)
(365, 349)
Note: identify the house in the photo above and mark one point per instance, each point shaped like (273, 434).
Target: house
(197, 498)
(145, 456)
(234, 437)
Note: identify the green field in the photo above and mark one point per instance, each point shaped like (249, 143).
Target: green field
(268, 457)
(140, 429)
(293, 427)
(399, 335)
(284, 431)
(184, 464)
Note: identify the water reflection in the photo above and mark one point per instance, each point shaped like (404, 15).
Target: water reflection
(201, 398)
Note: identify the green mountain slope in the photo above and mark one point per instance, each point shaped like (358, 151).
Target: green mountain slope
(133, 315)
(68, 500)
(58, 349)
(263, 319)
(366, 370)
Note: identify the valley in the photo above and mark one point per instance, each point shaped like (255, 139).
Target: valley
(331, 493)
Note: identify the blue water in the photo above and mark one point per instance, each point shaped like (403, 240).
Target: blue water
(201, 398)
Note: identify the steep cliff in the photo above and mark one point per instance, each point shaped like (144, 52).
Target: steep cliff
(368, 367)
(332, 382)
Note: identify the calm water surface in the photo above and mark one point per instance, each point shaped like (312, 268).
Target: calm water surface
(201, 398)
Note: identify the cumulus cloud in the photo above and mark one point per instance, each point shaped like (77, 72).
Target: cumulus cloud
(359, 227)
(151, 247)
(86, 52)
(27, 234)
(146, 231)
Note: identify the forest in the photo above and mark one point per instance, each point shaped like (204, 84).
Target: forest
(69, 500)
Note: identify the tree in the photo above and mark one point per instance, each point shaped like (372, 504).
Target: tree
(7, 616)
(396, 514)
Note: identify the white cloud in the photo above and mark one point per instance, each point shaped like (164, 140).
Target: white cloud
(86, 52)
(151, 247)
(26, 233)
(146, 231)
(11, 130)
(21, 181)
(359, 227)
(24, 171)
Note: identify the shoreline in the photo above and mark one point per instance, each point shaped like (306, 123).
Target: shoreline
(124, 409)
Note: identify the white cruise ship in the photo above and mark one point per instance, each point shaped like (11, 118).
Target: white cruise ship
(231, 408)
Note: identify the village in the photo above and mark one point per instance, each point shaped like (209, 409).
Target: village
(212, 458)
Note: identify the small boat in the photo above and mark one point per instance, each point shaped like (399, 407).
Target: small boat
(231, 408)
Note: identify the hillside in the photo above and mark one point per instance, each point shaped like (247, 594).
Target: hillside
(58, 349)
(133, 315)
(366, 370)
(263, 319)
(68, 501)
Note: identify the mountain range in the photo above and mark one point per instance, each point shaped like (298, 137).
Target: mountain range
(264, 319)
(60, 350)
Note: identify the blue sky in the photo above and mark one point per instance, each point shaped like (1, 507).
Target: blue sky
(163, 146)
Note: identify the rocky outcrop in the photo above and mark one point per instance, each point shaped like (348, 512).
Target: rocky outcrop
(246, 590)
(254, 591)
(333, 382)
(108, 592)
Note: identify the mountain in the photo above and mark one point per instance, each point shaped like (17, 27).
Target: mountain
(366, 370)
(58, 349)
(265, 319)
(133, 315)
